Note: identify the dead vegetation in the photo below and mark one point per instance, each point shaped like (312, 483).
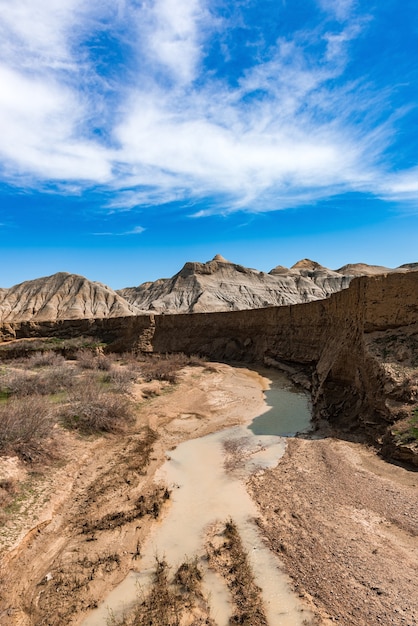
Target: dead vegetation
(91, 409)
(89, 395)
(149, 504)
(25, 348)
(226, 555)
(170, 600)
(26, 428)
(165, 367)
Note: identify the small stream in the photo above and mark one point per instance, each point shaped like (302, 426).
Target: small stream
(207, 479)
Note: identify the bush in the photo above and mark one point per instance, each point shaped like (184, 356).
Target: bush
(26, 428)
(90, 409)
(44, 359)
(88, 360)
(23, 383)
(163, 367)
(120, 378)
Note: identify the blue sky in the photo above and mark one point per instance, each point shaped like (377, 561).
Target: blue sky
(136, 135)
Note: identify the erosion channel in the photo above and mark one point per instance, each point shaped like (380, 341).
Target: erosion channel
(206, 477)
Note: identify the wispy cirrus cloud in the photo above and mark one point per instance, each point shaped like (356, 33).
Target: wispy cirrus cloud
(137, 230)
(172, 32)
(340, 9)
(121, 95)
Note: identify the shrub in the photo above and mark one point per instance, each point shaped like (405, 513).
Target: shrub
(120, 378)
(90, 409)
(162, 367)
(26, 428)
(23, 383)
(8, 488)
(88, 360)
(43, 359)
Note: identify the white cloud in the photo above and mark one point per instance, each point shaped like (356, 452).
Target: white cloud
(281, 136)
(137, 230)
(37, 122)
(340, 9)
(173, 36)
(402, 185)
(36, 32)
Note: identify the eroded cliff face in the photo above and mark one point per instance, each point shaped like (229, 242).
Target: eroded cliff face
(220, 285)
(61, 296)
(357, 386)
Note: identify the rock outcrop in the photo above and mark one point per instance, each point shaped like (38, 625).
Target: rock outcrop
(220, 285)
(61, 296)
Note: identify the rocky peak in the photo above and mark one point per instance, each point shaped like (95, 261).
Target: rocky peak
(307, 264)
(220, 259)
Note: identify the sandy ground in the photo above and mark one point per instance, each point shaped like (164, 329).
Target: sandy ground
(343, 521)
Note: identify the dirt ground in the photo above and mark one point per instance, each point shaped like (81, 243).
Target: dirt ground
(78, 531)
(345, 524)
(343, 521)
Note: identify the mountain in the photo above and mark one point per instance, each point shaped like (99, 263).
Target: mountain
(61, 296)
(220, 285)
(361, 269)
(217, 285)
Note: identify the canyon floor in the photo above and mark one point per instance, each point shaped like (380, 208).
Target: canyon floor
(343, 521)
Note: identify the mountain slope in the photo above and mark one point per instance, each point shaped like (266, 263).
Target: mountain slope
(61, 296)
(219, 285)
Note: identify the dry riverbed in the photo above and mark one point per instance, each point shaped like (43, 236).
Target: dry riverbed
(342, 521)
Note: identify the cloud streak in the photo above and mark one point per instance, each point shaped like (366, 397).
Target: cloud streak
(122, 96)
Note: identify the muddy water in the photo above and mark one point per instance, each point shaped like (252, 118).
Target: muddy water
(206, 476)
(289, 411)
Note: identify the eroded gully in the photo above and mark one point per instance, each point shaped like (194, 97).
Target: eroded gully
(207, 478)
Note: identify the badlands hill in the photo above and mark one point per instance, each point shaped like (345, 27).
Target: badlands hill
(61, 296)
(217, 285)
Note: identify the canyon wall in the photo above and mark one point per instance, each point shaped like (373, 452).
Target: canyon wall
(326, 337)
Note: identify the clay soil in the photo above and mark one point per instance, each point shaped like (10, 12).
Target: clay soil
(343, 521)
(345, 524)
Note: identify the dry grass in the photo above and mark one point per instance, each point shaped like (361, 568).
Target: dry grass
(170, 601)
(26, 428)
(46, 382)
(231, 561)
(24, 348)
(45, 359)
(91, 409)
(165, 367)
